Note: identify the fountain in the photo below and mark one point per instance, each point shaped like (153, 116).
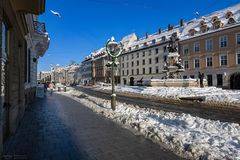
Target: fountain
(172, 68)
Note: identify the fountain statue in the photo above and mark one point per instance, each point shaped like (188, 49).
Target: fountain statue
(172, 68)
(173, 65)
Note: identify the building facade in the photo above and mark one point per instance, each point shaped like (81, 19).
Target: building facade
(21, 45)
(211, 45)
(87, 71)
(145, 57)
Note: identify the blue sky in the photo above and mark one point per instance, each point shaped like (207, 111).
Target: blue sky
(86, 25)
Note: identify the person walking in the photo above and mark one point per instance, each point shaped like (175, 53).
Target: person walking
(51, 86)
(201, 76)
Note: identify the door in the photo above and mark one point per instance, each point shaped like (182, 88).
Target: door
(209, 79)
(131, 81)
(235, 81)
(219, 80)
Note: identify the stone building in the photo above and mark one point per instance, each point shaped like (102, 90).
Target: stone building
(211, 45)
(44, 77)
(144, 58)
(100, 58)
(23, 40)
(87, 71)
(100, 72)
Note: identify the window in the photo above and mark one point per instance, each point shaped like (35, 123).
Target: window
(127, 72)
(196, 46)
(192, 76)
(143, 70)
(150, 61)
(209, 61)
(223, 41)
(123, 72)
(192, 33)
(132, 63)
(143, 54)
(186, 64)
(143, 61)
(132, 56)
(29, 66)
(127, 64)
(137, 55)
(196, 63)
(185, 49)
(209, 44)
(156, 50)
(4, 41)
(156, 60)
(137, 71)
(165, 49)
(238, 58)
(165, 58)
(123, 58)
(163, 38)
(184, 77)
(132, 72)
(137, 63)
(127, 57)
(150, 70)
(149, 52)
(122, 65)
(223, 60)
(216, 26)
(238, 38)
(3, 61)
(157, 70)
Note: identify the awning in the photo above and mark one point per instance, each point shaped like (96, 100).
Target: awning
(29, 6)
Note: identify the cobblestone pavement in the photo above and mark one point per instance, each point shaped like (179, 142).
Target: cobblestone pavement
(59, 128)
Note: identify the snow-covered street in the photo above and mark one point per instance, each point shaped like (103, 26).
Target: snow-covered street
(188, 136)
(212, 94)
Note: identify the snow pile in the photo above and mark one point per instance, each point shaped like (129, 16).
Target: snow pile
(212, 94)
(188, 136)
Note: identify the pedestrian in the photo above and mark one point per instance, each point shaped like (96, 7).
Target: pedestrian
(51, 85)
(201, 76)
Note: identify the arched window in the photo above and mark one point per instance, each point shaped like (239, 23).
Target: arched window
(202, 23)
(231, 20)
(228, 14)
(215, 19)
(216, 23)
(192, 32)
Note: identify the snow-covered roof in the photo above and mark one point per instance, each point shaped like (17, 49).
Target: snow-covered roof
(154, 38)
(220, 16)
(131, 42)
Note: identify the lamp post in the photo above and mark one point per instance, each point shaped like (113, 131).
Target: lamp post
(114, 50)
(65, 87)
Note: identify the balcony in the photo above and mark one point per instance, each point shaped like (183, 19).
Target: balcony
(40, 38)
(39, 28)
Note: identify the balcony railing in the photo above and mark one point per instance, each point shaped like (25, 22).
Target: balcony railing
(39, 27)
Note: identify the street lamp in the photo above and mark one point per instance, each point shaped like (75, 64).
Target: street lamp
(114, 50)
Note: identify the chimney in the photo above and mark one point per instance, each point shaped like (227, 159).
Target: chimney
(169, 27)
(159, 31)
(181, 23)
(146, 35)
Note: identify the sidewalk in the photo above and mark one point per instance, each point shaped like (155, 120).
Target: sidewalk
(58, 128)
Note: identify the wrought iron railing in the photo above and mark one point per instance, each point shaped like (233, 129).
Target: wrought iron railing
(39, 27)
